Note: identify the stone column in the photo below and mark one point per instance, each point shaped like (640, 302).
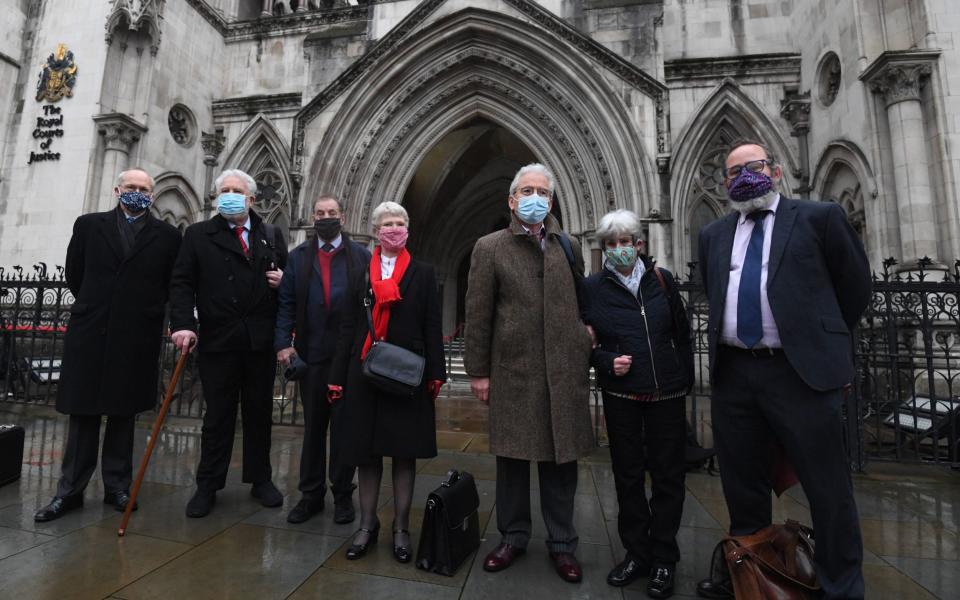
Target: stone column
(897, 79)
(795, 108)
(212, 144)
(267, 10)
(120, 134)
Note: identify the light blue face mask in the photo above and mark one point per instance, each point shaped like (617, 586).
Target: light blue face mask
(231, 204)
(621, 256)
(533, 209)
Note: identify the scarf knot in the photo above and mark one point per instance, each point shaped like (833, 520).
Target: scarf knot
(386, 293)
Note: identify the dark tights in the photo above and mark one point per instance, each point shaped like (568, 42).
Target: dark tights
(368, 478)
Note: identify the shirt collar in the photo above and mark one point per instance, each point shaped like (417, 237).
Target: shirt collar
(335, 243)
(234, 225)
(772, 208)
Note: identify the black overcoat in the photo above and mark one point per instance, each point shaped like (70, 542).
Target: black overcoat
(375, 423)
(236, 307)
(112, 345)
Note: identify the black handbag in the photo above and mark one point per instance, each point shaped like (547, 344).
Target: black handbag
(451, 525)
(11, 453)
(389, 367)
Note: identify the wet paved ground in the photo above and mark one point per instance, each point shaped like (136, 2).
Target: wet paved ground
(910, 517)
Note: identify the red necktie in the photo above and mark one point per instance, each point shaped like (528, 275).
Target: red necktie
(239, 231)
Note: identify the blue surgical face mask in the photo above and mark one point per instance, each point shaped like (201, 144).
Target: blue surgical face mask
(229, 204)
(135, 201)
(532, 209)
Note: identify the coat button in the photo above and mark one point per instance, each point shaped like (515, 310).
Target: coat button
(229, 277)
(226, 258)
(103, 331)
(234, 300)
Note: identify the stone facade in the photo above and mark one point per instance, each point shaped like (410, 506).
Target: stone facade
(436, 103)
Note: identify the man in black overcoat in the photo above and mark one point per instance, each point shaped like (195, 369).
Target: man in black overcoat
(787, 281)
(229, 269)
(312, 296)
(118, 269)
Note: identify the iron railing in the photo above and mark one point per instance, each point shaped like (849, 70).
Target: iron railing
(906, 397)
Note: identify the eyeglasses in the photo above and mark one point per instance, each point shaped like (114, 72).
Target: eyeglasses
(530, 190)
(754, 165)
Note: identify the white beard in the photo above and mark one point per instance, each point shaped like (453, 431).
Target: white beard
(760, 203)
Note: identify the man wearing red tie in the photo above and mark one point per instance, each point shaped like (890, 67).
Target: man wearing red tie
(229, 268)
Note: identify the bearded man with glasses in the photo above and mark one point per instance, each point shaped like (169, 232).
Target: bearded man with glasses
(787, 281)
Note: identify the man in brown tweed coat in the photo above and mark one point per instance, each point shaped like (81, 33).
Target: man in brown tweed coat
(527, 354)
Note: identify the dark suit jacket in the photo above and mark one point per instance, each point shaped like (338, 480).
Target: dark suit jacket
(112, 344)
(818, 285)
(235, 305)
(301, 300)
(375, 423)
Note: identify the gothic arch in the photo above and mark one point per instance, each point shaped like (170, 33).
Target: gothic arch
(727, 114)
(843, 175)
(843, 152)
(476, 63)
(145, 18)
(261, 151)
(175, 200)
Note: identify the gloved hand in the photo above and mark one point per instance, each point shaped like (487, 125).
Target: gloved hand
(334, 393)
(434, 386)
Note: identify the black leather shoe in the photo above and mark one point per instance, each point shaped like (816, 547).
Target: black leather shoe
(343, 511)
(402, 554)
(267, 494)
(719, 590)
(58, 507)
(627, 571)
(119, 500)
(661, 581)
(306, 508)
(201, 504)
(356, 551)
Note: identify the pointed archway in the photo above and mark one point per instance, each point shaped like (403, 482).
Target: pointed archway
(262, 152)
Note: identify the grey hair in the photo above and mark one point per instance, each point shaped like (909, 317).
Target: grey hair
(124, 174)
(619, 222)
(533, 168)
(389, 209)
(251, 184)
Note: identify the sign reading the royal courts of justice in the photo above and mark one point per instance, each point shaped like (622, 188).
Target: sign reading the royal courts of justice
(57, 79)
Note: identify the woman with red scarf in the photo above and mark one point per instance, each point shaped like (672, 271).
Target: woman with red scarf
(406, 312)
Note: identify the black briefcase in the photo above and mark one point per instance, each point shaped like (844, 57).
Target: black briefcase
(451, 525)
(11, 453)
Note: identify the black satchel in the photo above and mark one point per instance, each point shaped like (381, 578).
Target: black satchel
(389, 367)
(11, 452)
(451, 525)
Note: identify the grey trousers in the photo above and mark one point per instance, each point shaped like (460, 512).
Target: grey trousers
(558, 486)
(80, 454)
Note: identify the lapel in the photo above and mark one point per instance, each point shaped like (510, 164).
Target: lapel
(782, 226)
(220, 234)
(109, 229)
(408, 276)
(151, 228)
(728, 229)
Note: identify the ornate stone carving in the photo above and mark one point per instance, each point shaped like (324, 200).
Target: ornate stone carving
(212, 144)
(182, 125)
(119, 132)
(248, 106)
(778, 66)
(829, 78)
(137, 14)
(899, 82)
(795, 108)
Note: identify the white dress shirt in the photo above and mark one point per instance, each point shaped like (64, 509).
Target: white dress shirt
(246, 232)
(386, 266)
(728, 333)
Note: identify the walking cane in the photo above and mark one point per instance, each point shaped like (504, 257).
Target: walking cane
(135, 490)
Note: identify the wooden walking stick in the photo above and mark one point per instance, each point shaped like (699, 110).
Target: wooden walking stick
(135, 490)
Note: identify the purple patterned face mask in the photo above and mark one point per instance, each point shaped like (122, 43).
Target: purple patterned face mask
(749, 185)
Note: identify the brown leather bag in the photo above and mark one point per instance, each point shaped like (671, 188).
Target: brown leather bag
(775, 563)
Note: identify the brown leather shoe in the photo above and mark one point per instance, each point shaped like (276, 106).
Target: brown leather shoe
(567, 566)
(502, 557)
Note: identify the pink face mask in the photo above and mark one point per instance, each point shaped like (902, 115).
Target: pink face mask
(393, 239)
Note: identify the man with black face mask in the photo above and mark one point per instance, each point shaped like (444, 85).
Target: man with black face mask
(787, 281)
(319, 271)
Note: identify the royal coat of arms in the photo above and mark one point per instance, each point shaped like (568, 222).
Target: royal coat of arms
(58, 76)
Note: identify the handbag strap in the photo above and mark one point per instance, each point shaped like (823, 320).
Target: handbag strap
(367, 303)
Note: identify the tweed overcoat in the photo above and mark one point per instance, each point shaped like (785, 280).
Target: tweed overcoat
(523, 331)
(112, 346)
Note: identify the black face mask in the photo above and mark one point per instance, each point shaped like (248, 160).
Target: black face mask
(327, 229)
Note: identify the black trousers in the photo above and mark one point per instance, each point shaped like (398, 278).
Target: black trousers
(318, 416)
(558, 487)
(80, 454)
(648, 437)
(759, 401)
(231, 379)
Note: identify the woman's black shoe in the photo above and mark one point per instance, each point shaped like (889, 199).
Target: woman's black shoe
(356, 551)
(403, 554)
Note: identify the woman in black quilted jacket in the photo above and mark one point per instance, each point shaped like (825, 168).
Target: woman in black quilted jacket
(644, 364)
